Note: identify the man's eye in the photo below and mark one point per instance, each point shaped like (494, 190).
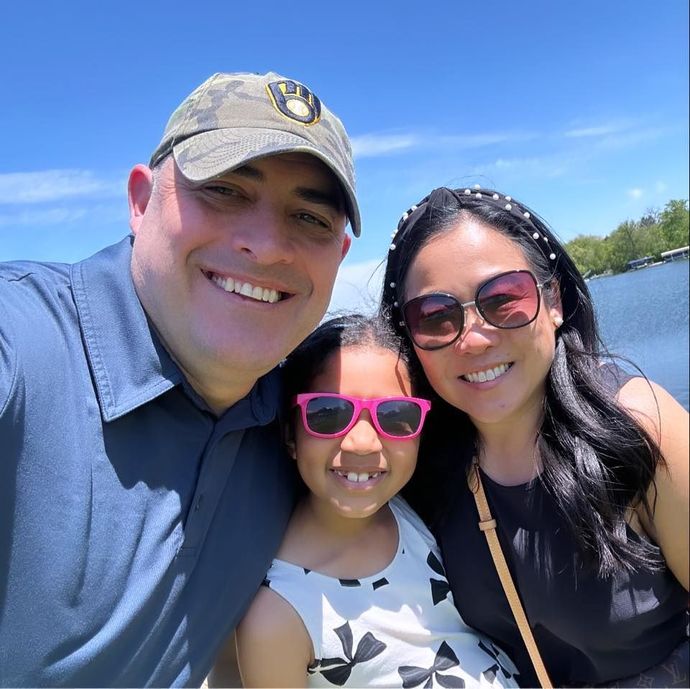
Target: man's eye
(222, 190)
(312, 219)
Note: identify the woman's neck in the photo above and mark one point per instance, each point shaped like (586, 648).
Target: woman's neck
(508, 451)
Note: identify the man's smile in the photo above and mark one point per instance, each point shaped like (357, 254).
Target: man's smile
(246, 289)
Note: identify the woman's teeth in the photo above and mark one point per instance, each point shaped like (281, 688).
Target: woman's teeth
(354, 477)
(246, 289)
(489, 374)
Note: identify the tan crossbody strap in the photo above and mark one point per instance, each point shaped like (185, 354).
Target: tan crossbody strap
(487, 524)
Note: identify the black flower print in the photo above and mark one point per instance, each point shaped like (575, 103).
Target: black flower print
(367, 648)
(491, 673)
(379, 583)
(445, 659)
(439, 587)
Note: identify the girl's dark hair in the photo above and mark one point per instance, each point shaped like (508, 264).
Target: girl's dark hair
(348, 330)
(597, 460)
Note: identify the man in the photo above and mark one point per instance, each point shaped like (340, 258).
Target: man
(143, 488)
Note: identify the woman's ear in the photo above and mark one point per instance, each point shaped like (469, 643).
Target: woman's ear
(552, 298)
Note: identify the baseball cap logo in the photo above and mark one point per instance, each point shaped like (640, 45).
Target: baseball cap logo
(294, 100)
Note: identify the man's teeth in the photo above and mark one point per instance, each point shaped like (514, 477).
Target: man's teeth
(246, 289)
(489, 374)
(354, 477)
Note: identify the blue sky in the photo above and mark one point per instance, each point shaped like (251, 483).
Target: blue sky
(579, 109)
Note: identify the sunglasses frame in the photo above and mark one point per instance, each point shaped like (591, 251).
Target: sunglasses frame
(477, 305)
(359, 404)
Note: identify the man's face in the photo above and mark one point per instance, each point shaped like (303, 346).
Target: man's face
(236, 271)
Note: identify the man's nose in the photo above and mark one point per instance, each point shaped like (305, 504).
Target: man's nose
(262, 235)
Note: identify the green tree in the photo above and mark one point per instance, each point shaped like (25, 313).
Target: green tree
(674, 224)
(623, 245)
(589, 253)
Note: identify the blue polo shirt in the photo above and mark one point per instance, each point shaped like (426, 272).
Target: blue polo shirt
(135, 526)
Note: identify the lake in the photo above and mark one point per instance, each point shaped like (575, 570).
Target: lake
(643, 315)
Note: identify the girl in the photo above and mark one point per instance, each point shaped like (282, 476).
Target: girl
(585, 468)
(357, 595)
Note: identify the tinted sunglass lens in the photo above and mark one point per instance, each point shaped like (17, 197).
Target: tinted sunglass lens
(328, 415)
(509, 301)
(399, 418)
(433, 321)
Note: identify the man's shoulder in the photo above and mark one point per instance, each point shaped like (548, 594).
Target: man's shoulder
(27, 274)
(33, 294)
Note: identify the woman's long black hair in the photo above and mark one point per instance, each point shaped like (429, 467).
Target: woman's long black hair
(597, 460)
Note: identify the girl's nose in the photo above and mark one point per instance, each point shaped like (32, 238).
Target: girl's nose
(362, 438)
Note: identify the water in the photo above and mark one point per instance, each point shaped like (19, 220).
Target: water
(643, 315)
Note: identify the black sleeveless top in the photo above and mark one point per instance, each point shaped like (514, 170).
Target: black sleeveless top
(589, 630)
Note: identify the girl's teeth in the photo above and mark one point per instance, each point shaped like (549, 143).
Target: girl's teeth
(354, 477)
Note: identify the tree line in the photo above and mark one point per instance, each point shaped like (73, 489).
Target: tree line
(654, 232)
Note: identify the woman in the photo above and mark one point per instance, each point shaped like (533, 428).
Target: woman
(584, 466)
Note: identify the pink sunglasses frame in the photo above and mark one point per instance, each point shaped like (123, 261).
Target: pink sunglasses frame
(371, 405)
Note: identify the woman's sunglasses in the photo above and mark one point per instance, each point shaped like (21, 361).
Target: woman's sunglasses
(329, 415)
(509, 300)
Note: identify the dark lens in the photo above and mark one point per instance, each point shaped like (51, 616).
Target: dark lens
(434, 320)
(509, 301)
(399, 417)
(328, 415)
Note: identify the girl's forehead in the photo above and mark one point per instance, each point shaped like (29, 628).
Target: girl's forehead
(363, 367)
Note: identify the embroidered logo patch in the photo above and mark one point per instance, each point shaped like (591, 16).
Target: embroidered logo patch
(294, 100)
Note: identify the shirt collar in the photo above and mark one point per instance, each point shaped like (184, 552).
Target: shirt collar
(129, 364)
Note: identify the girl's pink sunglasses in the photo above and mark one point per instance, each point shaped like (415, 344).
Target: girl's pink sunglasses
(330, 415)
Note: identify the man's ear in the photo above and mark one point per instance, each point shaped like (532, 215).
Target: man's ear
(139, 190)
(347, 242)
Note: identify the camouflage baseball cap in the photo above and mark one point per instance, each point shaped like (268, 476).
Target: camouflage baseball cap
(234, 118)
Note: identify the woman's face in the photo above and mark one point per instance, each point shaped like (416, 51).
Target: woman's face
(517, 361)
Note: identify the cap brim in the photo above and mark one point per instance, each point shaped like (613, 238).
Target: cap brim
(210, 154)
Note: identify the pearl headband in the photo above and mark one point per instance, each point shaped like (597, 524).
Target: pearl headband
(506, 203)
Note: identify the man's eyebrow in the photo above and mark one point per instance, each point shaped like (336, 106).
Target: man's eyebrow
(248, 171)
(331, 198)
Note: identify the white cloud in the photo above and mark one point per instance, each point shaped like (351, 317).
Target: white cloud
(358, 287)
(54, 185)
(60, 215)
(380, 144)
(635, 193)
(544, 167)
(598, 130)
(374, 145)
(48, 216)
(478, 140)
